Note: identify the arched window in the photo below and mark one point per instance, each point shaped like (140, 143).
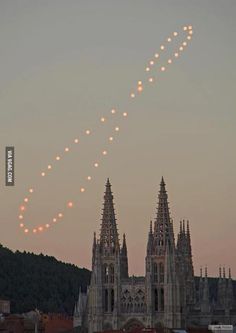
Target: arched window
(105, 273)
(162, 299)
(161, 272)
(112, 300)
(112, 273)
(156, 299)
(155, 273)
(106, 300)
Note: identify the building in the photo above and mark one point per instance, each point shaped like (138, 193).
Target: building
(166, 297)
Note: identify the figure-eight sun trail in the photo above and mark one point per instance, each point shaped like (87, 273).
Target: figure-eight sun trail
(154, 70)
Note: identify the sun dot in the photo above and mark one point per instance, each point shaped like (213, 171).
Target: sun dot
(87, 132)
(139, 83)
(190, 32)
(58, 158)
(102, 119)
(104, 152)
(66, 149)
(26, 199)
(162, 47)
(42, 174)
(21, 225)
(156, 55)
(151, 62)
(169, 61)
(34, 231)
(22, 208)
(76, 141)
(147, 69)
(140, 88)
(49, 167)
(47, 225)
(185, 28)
(113, 111)
(31, 190)
(176, 55)
(89, 177)
(96, 165)
(150, 79)
(184, 44)
(189, 37)
(132, 95)
(70, 204)
(60, 215)
(169, 39)
(175, 33)
(125, 114)
(190, 27)
(117, 129)
(21, 217)
(26, 231)
(163, 68)
(54, 220)
(40, 228)
(111, 138)
(181, 48)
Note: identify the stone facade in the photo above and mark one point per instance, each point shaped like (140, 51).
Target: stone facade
(166, 296)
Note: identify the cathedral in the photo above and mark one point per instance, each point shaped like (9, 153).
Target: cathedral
(167, 296)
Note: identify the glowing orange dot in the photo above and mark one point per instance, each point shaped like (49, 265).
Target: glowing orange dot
(40, 228)
(31, 190)
(190, 32)
(76, 141)
(113, 111)
(102, 119)
(181, 48)
(139, 83)
(156, 55)
(89, 177)
(21, 225)
(26, 231)
(169, 61)
(190, 27)
(176, 55)
(104, 152)
(111, 138)
(49, 167)
(117, 129)
(125, 114)
(162, 47)
(175, 33)
(169, 39)
(42, 174)
(70, 204)
(21, 217)
(184, 44)
(185, 28)
(96, 165)
(87, 132)
(150, 79)
(82, 189)
(22, 208)
(34, 231)
(147, 69)
(151, 62)
(66, 149)
(140, 88)
(47, 225)
(163, 68)
(58, 158)
(54, 220)
(132, 95)
(60, 215)
(189, 37)
(26, 199)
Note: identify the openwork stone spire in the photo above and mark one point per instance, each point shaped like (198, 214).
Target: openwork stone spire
(163, 229)
(109, 239)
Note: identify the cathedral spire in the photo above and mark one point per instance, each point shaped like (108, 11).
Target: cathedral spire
(163, 231)
(124, 246)
(109, 239)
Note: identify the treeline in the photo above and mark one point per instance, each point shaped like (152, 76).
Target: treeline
(32, 281)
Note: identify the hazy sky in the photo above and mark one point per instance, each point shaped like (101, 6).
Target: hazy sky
(63, 64)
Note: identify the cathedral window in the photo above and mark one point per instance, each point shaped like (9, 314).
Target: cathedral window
(155, 272)
(162, 302)
(105, 273)
(161, 272)
(155, 299)
(111, 273)
(112, 300)
(106, 300)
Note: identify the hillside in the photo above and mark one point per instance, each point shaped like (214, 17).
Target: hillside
(32, 281)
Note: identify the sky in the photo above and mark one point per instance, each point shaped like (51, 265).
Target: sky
(63, 65)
